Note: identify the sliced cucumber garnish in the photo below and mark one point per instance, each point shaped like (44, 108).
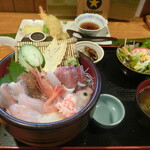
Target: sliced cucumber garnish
(31, 55)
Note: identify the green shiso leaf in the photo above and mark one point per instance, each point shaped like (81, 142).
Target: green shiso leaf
(14, 70)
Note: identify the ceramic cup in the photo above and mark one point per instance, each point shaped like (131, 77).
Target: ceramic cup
(91, 18)
(109, 111)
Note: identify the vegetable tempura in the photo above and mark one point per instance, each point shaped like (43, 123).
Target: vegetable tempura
(53, 24)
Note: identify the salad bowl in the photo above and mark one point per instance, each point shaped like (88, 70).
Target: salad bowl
(134, 59)
(54, 133)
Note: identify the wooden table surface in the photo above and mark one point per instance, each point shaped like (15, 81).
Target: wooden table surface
(9, 23)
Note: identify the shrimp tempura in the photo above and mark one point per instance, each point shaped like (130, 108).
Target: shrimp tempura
(53, 24)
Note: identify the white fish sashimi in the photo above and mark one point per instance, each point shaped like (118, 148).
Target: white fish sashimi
(17, 88)
(51, 117)
(83, 97)
(3, 101)
(33, 103)
(54, 81)
(6, 98)
(24, 113)
(9, 93)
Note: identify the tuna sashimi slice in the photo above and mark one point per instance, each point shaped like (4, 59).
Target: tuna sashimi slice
(70, 75)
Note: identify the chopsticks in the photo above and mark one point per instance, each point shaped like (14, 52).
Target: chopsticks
(83, 37)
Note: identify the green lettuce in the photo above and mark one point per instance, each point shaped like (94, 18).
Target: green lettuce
(146, 45)
(133, 61)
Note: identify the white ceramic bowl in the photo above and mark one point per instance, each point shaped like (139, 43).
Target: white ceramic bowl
(109, 111)
(93, 18)
(80, 46)
(4, 40)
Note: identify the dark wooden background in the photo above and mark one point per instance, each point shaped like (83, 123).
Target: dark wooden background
(31, 6)
(21, 5)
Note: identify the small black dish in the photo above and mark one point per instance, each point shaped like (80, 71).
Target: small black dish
(37, 37)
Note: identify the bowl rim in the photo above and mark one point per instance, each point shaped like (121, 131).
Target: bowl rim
(90, 14)
(10, 39)
(7, 37)
(44, 126)
(96, 45)
(114, 98)
(117, 51)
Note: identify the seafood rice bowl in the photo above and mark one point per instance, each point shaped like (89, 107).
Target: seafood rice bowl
(47, 106)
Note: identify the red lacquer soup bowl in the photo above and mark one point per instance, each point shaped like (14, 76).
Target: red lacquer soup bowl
(143, 103)
(54, 133)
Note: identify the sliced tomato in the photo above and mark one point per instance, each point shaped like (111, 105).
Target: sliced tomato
(140, 49)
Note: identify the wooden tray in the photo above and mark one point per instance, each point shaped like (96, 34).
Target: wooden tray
(130, 134)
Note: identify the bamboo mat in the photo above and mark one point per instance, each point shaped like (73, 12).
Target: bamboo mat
(46, 43)
(70, 51)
